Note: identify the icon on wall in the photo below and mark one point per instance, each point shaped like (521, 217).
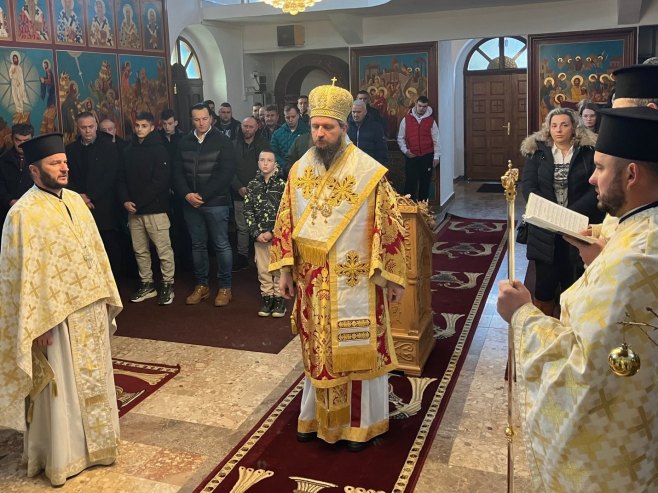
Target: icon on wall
(129, 27)
(27, 89)
(69, 23)
(33, 21)
(5, 21)
(100, 24)
(87, 82)
(153, 27)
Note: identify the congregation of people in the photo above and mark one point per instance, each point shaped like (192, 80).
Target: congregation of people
(110, 201)
(165, 192)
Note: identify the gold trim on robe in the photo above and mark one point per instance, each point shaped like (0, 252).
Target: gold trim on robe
(53, 263)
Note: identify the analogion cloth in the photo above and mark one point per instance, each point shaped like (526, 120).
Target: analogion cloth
(342, 233)
(589, 430)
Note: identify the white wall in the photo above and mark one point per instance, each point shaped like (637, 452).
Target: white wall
(240, 50)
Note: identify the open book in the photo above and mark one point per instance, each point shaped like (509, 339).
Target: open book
(553, 217)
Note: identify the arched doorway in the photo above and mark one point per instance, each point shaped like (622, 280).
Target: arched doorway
(495, 93)
(289, 81)
(186, 80)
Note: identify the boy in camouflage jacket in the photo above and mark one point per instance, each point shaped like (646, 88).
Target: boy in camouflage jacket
(261, 204)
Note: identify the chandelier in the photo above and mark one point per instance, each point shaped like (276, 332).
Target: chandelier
(292, 7)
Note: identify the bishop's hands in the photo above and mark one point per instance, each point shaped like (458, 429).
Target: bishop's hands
(511, 296)
(394, 292)
(286, 286)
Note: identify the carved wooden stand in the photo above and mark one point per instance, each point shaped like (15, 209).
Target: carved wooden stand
(411, 321)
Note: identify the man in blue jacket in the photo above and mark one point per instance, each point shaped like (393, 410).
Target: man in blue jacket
(367, 134)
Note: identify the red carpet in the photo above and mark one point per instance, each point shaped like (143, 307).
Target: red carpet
(135, 381)
(467, 255)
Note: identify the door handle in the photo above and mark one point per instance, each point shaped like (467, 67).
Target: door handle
(507, 127)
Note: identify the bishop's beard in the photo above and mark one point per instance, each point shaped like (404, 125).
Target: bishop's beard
(328, 153)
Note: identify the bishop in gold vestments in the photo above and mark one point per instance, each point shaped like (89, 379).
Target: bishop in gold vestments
(339, 230)
(588, 429)
(56, 288)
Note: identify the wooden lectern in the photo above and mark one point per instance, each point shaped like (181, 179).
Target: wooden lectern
(411, 320)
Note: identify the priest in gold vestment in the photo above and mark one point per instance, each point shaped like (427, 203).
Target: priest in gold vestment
(59, 301)
(339, 236)
(587, 428)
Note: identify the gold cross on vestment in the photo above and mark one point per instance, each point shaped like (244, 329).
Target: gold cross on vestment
(605, 405)
(647, 279)
(342, 191)
(644, 426)
(352, 268)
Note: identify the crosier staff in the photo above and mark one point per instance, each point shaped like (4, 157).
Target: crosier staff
(508, 181)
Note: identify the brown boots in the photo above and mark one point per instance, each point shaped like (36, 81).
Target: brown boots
(201, 293)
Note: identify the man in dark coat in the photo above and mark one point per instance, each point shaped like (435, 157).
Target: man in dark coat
(144, 192)
(203, 172)
(93, 161)
(225, 123)
(367, 134)
(247, 149)
(15, 177)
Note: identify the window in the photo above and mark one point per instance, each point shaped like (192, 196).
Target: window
(505, 53)
(184, 54)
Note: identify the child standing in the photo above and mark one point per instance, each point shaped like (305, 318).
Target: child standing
(261, 204)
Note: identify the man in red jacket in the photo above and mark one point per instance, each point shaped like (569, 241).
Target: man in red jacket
(418, 138)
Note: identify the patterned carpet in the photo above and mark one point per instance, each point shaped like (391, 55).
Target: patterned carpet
(466, 256)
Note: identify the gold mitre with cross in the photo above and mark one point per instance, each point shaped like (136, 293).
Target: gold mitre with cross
(331, 101)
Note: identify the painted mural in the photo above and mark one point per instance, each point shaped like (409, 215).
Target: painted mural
(153, 26)
(130, 33)
(100, 23)
(87, 82)
(5, 21)
(143, 87)
(33, 21)
(569, 72)
(27, 89)
(69, 23)
(61, 57)
(394, 82)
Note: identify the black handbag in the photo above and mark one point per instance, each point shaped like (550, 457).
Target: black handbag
(522, 233)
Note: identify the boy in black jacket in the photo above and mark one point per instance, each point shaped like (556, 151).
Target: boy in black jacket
(144, 192)
(261, 204)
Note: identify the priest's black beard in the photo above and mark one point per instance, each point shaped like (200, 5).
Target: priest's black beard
(328, 153)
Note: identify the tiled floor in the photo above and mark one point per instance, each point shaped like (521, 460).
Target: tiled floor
(173, 439)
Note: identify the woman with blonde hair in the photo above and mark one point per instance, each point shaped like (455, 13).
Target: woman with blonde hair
(559, 162)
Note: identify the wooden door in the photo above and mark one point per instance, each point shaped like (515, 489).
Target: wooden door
(187, 92)
(496, 124)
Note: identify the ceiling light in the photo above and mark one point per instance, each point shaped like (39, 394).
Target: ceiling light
(292, 7)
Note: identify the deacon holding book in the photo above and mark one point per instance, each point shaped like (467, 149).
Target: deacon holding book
(339, 236)
(59, 301)
(588, 428)
(559, 161)
(635, 85)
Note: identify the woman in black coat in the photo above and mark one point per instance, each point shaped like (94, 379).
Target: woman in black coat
(559, 162)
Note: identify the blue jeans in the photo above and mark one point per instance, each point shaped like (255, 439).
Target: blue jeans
(213, 222)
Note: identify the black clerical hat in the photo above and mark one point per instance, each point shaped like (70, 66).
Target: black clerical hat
(629, 133)
(42, 146)
(636, 81)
